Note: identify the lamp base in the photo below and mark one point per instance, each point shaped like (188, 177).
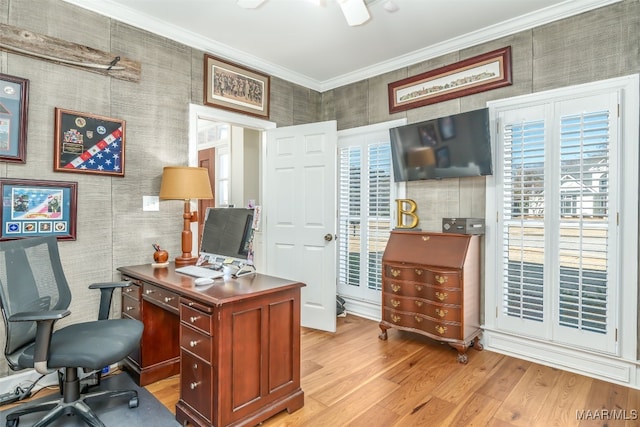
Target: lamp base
(181, 262)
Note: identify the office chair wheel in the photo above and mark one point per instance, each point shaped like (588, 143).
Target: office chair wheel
(133, 403)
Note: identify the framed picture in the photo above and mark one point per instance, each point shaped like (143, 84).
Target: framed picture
(37, 208)
(14, 101)
(88, 143)
(478, 74)
(428, 135)
(233, 87)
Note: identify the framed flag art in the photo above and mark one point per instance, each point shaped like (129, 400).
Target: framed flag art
(88, 143)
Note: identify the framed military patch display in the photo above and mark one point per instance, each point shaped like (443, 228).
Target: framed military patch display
(38, 208)
(88, 143)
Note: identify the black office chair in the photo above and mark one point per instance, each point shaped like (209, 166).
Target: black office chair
(34, 294)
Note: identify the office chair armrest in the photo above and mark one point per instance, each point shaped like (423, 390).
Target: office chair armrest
(37, 316)
(106, 292)
(44, 329)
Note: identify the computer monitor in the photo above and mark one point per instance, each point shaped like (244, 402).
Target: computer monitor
(227, 239)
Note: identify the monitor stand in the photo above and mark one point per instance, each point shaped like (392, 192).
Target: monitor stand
(244, 270)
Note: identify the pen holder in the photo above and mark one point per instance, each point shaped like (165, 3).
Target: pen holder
(161, 256)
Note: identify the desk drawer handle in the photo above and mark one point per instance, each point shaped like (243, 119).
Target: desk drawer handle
(441, 295)
(128, 290)
(149, 291)
(395, 303)
(418, 288)
(193, 343)
(394, 287)
(193, 319)
(167, 299)
(195, 366)
(128, 308)
(418, 303)
(441, 279)
(193, 385)
(441, 313)
(395, 272)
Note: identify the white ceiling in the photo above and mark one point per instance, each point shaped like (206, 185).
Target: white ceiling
(313, 46)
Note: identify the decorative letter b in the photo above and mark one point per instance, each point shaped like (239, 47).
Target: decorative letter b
(408, 212)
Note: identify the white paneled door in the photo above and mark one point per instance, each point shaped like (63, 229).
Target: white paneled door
(300, 216)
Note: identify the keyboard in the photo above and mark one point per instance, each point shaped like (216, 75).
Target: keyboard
(195, 271)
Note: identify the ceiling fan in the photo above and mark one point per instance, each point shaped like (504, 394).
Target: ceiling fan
(356, 12)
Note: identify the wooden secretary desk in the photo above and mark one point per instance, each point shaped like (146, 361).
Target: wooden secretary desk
(431, 285)
(235, 344)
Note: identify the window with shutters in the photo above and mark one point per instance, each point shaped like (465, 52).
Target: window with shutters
(558, 196)
(365, 199)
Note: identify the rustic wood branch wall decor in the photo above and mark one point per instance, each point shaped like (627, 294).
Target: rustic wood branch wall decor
(16, 40)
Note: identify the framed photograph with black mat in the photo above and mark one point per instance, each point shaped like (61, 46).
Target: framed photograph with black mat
(38, 208)
(112, 412)
(88, 143)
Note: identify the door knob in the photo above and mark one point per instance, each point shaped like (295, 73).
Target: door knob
(328, 237)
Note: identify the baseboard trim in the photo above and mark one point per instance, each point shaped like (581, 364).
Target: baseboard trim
(362, 308)
(592, 365)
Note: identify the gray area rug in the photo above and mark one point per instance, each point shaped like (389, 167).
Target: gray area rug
(114, 412)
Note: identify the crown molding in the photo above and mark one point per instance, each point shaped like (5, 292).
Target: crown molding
(132, 17)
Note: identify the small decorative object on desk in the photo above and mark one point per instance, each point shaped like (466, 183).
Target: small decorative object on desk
(160, 256)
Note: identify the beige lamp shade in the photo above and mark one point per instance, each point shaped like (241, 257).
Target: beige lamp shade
(184, 183)
(421, 156)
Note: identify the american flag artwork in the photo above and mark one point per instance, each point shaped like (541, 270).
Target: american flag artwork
(103, 156)
(37, 203)
(89, 143)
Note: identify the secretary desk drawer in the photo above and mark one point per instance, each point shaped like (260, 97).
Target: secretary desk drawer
(450, 279)
(451, 313)
(427, 292)
(199, 319)
(452, 330)
(164, 298)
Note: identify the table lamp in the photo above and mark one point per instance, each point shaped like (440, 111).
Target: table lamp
(185, 183)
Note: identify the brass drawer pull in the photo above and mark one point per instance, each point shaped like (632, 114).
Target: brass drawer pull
(441, 295)
(419, 303)
(441, 313)
(441, 279)
(441, 329)
(419, 287)
(425, 238)
(418, 319)
(394, 272)
(394, 287)
(395, 303)
(395, 318)
(418, 271)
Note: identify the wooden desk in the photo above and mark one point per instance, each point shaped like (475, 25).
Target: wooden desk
(236, 343)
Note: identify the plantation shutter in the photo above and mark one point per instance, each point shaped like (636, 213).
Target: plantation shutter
(558, 281)
(364, 217)
(524, 210)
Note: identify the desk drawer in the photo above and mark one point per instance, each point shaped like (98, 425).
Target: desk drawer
(196, 385)
(131, 307)
(195, 342)
(161, 296)
(196, 318)
(132, 290)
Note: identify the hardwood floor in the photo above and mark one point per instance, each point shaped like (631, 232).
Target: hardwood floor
(352, 378)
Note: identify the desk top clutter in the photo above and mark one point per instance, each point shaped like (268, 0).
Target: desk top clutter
(160, 256)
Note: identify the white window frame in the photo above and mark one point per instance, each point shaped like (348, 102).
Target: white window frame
(627, 214)
(366, 302)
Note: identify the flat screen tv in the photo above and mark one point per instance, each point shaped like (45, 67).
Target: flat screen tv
(445, 147)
